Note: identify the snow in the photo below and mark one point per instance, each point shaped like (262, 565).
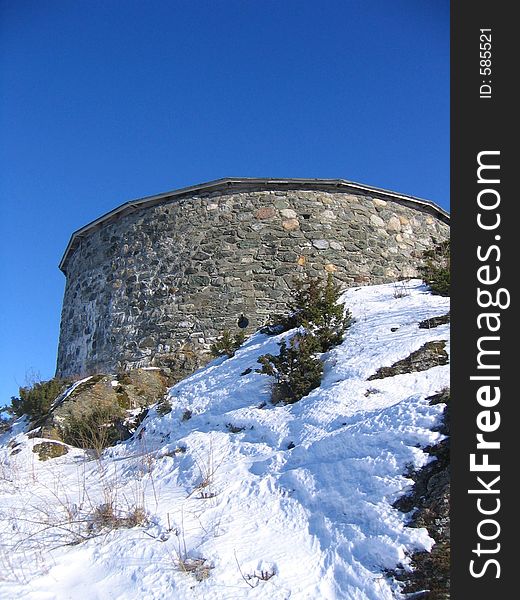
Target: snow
(297, 504)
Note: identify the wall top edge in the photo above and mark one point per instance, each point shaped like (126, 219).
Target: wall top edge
(252, 184)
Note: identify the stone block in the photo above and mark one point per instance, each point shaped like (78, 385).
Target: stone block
(377, 221)
(288, 213)
(320, 244)
(291, 224)
(266, 212)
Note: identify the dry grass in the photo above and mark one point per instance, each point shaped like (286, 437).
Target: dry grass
(400, 290)
(197, 567)
(207, 467)
(253, 579)
(106, 516)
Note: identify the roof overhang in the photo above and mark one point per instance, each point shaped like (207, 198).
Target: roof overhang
(252, 183)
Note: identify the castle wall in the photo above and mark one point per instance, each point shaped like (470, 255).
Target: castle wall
(175, 274)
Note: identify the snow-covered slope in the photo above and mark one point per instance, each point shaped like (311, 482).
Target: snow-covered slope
(243, 499)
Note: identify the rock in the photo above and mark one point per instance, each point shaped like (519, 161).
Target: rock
(434, 321)
(377, 221)
(112, 395)
(408, 272)
(327, 215)
(265, 212)
(320, 244)
(362, 279)
(288, 213)
(280, 203)
(147, 342)
(431, 354)
(47, 450)
(377, 270)
(394, 224)
(291, 225)
(430, 503)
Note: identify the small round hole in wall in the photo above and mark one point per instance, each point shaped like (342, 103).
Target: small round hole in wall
(243, 322)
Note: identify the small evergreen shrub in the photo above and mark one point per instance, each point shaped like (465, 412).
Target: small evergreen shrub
(315, 309)
(436, 270)
(315, 305)
(35, 401)
(227, 344)
(296, 370)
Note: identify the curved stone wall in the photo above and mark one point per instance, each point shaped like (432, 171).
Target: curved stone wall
(167, 274)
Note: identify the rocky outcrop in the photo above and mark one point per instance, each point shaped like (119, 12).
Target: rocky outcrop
(123, 398)
(47, 450)
(430, 501)
(431, 354)
(434, 321)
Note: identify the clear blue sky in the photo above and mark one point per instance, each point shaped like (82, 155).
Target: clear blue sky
(105, 101)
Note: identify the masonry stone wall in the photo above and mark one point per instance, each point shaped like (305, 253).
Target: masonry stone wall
(166, 278)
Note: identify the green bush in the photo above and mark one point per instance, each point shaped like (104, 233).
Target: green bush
(35, 401)
(436, 269)
(314, 305)
(227, 344)
(315, 309)
(296, 370)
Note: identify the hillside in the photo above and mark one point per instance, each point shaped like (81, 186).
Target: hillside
(230, 497)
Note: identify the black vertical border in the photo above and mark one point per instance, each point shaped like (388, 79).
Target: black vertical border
(482, 124)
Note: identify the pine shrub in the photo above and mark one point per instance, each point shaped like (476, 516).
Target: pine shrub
(315, 305)
(296, 370)
(35, 401)
(436, 270)
(227, 344)
(315, 309)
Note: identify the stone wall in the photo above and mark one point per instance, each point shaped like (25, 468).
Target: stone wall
(167, 276)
